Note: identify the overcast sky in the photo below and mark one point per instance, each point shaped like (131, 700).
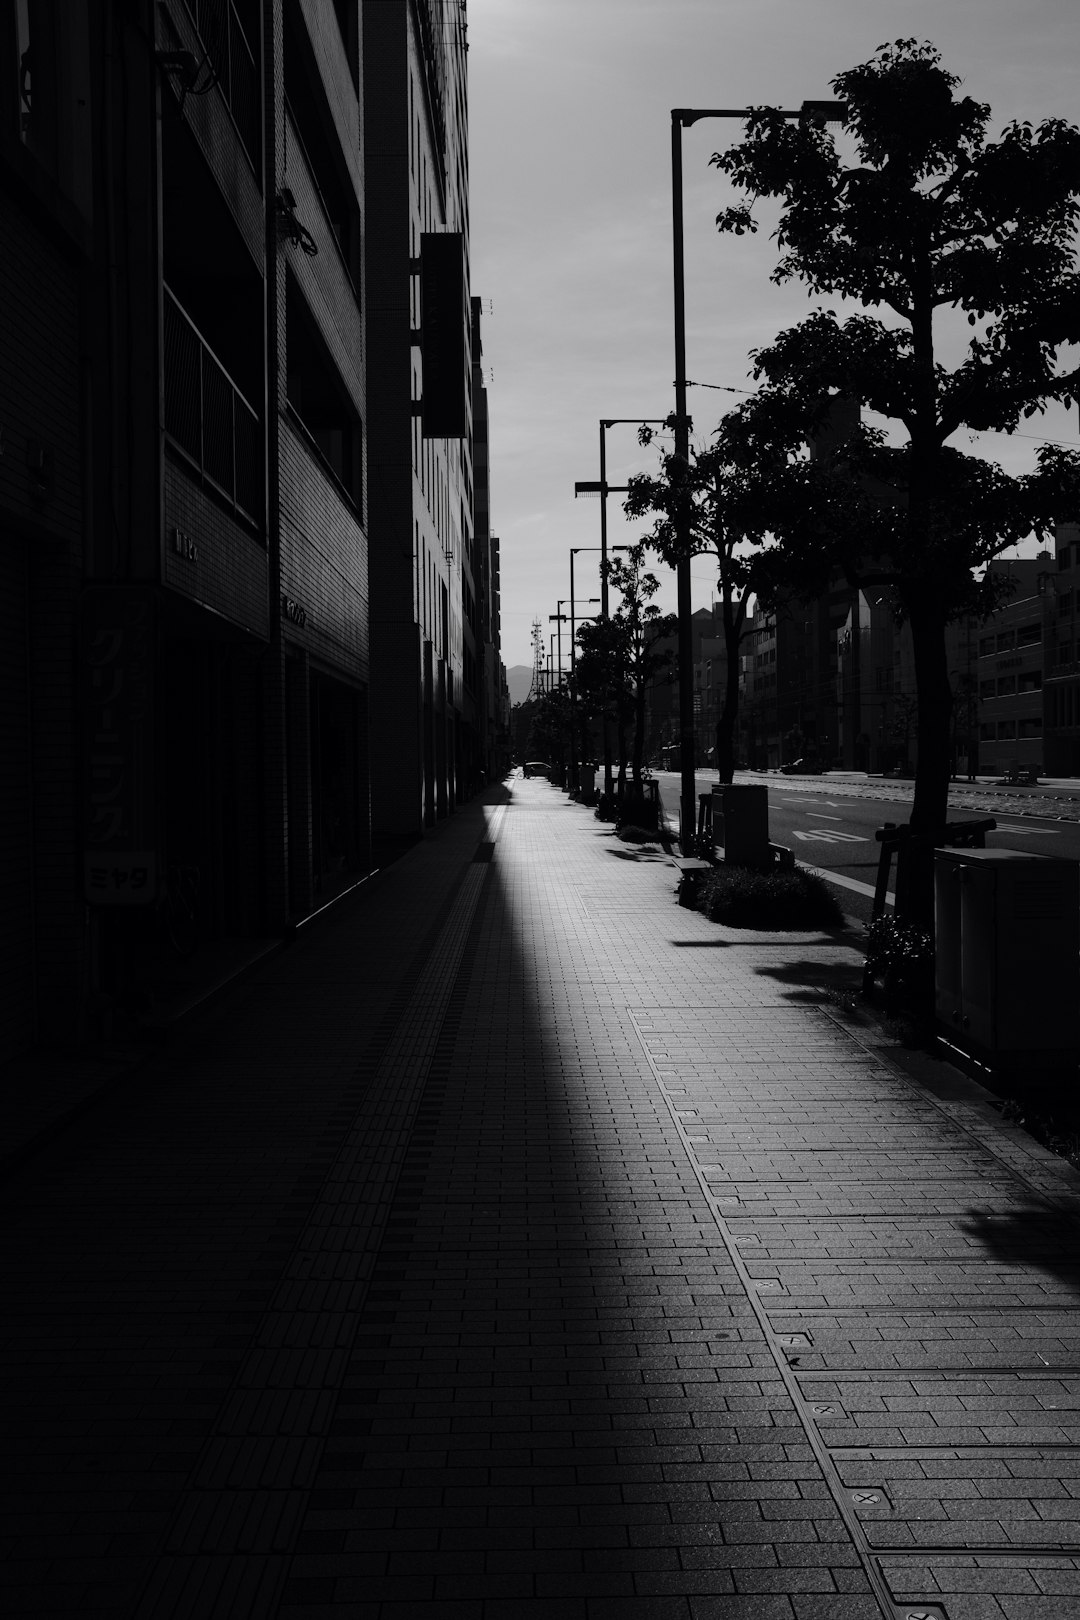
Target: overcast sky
(571, 228)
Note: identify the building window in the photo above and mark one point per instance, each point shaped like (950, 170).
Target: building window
(229, 29)
(1031, 727)
(1029, 635)
(986, 646)
(987, 731)
(320, 401)
(1065, 602)
(1029, 681)
(1006, 728)
(1006, 685)
(987, 689)
(316, 132)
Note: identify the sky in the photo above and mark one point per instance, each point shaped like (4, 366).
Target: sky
(571, 253)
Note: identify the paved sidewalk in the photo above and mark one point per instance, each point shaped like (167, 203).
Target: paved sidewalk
(519, 1243)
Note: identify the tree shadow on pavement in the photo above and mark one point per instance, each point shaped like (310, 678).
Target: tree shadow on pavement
(1038, 1236)
(812, 981)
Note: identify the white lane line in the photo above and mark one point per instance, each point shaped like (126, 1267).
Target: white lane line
(817, 815)
(843, 882)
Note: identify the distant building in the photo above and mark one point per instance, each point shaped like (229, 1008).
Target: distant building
(1061, 653)
(494, 718)
(426, 658)
(1009, 671)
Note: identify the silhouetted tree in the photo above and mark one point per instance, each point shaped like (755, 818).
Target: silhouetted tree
(931, 216)
(549, 730)
(621, 656)
(712, 488)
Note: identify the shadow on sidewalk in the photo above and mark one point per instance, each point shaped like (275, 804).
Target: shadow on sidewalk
(1032, 1237)
(809, 979)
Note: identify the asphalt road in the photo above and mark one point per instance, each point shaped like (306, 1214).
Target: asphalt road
(830, 823)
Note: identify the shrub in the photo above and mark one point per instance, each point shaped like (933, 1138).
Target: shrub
(743, 897)
(900, 955)
(636, 835)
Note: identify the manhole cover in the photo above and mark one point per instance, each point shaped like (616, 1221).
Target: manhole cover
(823, 1411)
(867, 1498)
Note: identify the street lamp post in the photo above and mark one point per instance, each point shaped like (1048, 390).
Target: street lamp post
(582, 489)
(559, 618)
(604, 489)
(562, 617)
(682, 118)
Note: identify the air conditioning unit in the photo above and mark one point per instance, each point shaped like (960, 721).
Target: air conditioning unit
(1007, 970)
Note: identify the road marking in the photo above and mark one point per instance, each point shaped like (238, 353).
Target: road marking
(1029, 832)
(817, 815)
(826, 835)
(829, 876)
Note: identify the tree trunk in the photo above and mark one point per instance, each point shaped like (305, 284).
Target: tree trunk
(930, 807)
(639, 734)
(729, 714)
(931, 804)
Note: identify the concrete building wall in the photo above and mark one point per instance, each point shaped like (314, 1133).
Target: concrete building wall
(45, 221)
(421, 519)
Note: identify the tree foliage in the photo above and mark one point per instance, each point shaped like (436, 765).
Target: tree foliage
(963, 249)
(709, 494)
(620, 657)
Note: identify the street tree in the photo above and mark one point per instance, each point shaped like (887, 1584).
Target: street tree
(709, 493)
(933, 225)
(549, 729)
(622, 656)
(644, 629)
(601, 681)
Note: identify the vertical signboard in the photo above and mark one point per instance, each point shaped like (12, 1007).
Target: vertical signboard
(442, 334)
(119, 650)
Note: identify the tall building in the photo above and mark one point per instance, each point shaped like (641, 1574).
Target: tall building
(241, 574)
(1061, 655)
(426, 667)
(47, 219)
(494, 695)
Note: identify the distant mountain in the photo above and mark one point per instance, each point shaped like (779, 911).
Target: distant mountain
(519, 680)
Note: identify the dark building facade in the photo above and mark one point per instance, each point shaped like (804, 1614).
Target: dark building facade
(213, 482)
(426, 664)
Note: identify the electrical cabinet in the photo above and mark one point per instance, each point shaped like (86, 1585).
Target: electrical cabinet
(740, 822)
(1006, 933)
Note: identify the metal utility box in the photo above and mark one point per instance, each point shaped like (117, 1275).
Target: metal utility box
(1007, 933)
(740, 823)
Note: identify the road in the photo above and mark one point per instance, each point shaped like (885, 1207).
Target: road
(830, 823)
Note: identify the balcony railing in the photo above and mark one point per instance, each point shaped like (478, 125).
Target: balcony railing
(235, 68)
(208, 418)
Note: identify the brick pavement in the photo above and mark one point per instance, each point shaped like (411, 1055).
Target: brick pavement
(521, 1244)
